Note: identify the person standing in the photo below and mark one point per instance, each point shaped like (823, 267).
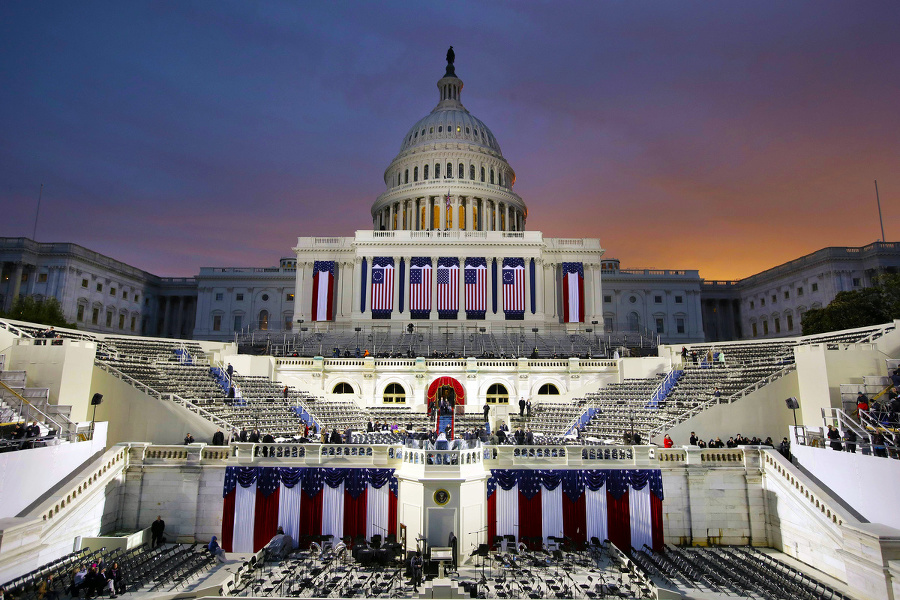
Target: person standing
(487, 411)
(156, 531)
(667, 442)
(521, 406)
(415, 566)
(218, 438)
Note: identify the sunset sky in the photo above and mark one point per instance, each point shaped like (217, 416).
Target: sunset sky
(720, 136)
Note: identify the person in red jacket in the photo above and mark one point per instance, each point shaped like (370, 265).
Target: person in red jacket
(667, 442)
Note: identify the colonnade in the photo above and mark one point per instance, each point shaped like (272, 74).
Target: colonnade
(466, 213)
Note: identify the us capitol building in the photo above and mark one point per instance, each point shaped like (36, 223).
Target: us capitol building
(449, 254)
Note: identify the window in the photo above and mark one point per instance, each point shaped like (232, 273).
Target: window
(265, 297)
(109, 318)
(80, 316)
(762, 301)
(790, 322)
(815, 287)
(765, 327)
(42, 278)
(288, 323)
(112, 291)
(679, 325)
(679, 299)
(777, 325)
(342, 388)
(431, 130)
(472, 172)
(238, 322)
(497, 394)
(437, 171)
(751, 304)
(220, 296)
(634, 322)
(787, 295)
(492, 176)
(289, 298)
(239, 297)
(548, 389)
(482, 174)
(406, 176)
(395, 393)
(263, 320)
(753, 325)
(95, 316)
(121, 321)
(450, 170)
(415, 173)
(607, 299)
(607, 324)
(133, 322)
(124, 295)
(657, 299)
(99, 287)
(425, 172)
(799, 291)
(856, 282)
(774, 298)
(84, 283)
(659, 325)
(462, 167)
(217, 322)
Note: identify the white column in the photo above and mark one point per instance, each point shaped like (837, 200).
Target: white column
(355, 289)
(495, 215)
(539, 285)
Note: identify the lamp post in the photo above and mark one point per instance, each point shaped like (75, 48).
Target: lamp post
(302, 329)
(535, 331)
(357, 330)
(594, 325)
(482, 330)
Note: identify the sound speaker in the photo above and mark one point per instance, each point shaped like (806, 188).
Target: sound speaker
(97, 399)
(792, 403)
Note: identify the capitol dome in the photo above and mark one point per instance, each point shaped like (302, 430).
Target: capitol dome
(450, 174)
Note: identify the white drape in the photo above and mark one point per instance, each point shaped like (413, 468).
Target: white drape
(289, 511)
(507, 511)
(333, 511)
(595, 507)
(244, 512)
(639, 509)
(377, 511)
(551, 512)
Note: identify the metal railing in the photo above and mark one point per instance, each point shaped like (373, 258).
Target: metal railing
(27, 411)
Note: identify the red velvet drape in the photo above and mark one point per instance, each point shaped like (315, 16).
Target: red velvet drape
(491, 519)
(355, 515)
(310, 515)
(265, 519)
(656, 522)
(575, 519)
(392, 513)
(228, 521)
(618, 521)
(531, 523)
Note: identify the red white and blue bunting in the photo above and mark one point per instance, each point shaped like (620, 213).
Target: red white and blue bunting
(514, 288)
(448, 287)
(314, 501)
(382, 287)
(420, 287)
(476, 287)
(323, 290)
(621, 505)
(573, 292)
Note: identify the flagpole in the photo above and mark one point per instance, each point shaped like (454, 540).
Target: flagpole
(877, 199)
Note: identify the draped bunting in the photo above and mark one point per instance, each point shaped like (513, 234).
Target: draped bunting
(531, 270)
(362, 286)
(476, 287)
(402, 282)
(494, 285)
(585, 503)
(438, 383)
(305, 501)
(573, 292)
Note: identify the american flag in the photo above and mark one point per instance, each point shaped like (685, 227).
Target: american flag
(323, 290)
(382, 284)
(420, 285)
(448, 285)
(573, 292)
(513, 285)
(476, 285)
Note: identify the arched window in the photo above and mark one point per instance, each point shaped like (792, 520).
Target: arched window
(395, 393)
(472, 172)
(497, 394)
(462, 170)
(482, 174)
(425, 172)
(415, 173)
(492, 176)
(342, 388)
(263, 320)
(634, 321)
(437, 170)
(548, 389)
(406, 176)
(450, 170)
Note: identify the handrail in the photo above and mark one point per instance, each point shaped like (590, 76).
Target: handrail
(65, 430)
(728, 400)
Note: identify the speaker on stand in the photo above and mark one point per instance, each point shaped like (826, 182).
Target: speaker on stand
(95, 401)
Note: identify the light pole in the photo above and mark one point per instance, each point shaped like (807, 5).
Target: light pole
(482, 330)
(535, 331)
(300, 321)
(357, 330)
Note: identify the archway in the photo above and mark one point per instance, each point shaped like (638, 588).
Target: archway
(446, 387)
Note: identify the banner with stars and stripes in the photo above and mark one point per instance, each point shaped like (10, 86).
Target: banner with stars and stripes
(323, 290)
(420, 287)
(514, 288)
(573, 292)
(476, 287)
(382, 287)
(448, 287)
